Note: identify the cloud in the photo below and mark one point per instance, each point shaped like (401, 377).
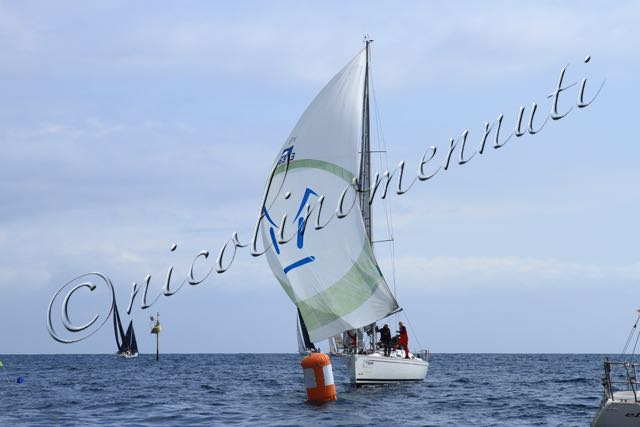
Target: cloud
(450, 273)
(21, 278)
(417, 43)
(510, 39)
(411, 215)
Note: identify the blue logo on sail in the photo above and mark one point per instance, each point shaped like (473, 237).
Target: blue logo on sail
(287, 155)
(300, 220)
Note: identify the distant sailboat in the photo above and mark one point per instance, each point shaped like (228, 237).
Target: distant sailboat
(348, 343)
(127, 344)
(336, 346)
(331, 274)
(130, 345)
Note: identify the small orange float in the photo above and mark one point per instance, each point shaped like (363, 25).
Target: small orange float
(318, 377)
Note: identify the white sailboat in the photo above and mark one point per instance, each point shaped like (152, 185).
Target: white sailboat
(336, 346)
(620, 405)
(331, 274)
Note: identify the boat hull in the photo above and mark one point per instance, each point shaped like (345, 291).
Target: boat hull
(622, 411)
(378, 369)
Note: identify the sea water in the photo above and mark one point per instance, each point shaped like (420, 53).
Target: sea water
(268, 389)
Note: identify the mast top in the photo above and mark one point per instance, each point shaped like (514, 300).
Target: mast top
(367, 39)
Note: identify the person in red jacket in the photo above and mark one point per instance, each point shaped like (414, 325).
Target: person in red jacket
(403, 341)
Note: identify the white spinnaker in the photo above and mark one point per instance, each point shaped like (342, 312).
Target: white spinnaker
(330, 274)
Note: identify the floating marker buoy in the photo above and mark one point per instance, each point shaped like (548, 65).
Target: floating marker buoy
(20, 380)
(318, 378)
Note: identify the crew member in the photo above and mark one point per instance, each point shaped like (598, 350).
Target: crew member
(353, 340)
(403, 340)
(385, 339)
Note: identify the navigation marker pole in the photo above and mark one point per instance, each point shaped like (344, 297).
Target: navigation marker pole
(156, 330)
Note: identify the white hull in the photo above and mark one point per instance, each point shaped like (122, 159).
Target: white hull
(377, 369)
(621, 411)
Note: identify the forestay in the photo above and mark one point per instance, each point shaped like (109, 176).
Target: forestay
(330, 274)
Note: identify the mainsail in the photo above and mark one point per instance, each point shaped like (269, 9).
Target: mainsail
(301, 347)
(304, 342)
(330, 274)
(130, 345)
(117, 328)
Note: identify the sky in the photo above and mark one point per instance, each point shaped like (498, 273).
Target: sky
(127, 128)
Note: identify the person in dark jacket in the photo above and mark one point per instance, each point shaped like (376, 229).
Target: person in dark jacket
(385, 338)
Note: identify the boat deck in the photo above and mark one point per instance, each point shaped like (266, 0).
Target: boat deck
(626, 396)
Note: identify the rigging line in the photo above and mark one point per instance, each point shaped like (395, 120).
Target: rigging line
(634, 348)
(388, 212)
(635, 345)
(413, 331)
(633, 329)
(387, 205)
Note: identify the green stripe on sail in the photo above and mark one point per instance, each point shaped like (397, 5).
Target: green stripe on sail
(332, 168)
(346, 295)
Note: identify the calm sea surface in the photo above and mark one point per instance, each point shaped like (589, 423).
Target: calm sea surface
(267, 389)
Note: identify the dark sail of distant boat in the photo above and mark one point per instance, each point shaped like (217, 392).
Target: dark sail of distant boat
(130, 343)
(117, 328)
(127, 344)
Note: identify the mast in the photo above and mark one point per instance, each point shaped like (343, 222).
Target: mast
(364, 177)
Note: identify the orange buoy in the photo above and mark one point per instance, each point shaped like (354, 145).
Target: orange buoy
(318, 377)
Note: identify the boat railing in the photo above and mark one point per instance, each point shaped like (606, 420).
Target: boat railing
(423, 354)
(620, 376)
